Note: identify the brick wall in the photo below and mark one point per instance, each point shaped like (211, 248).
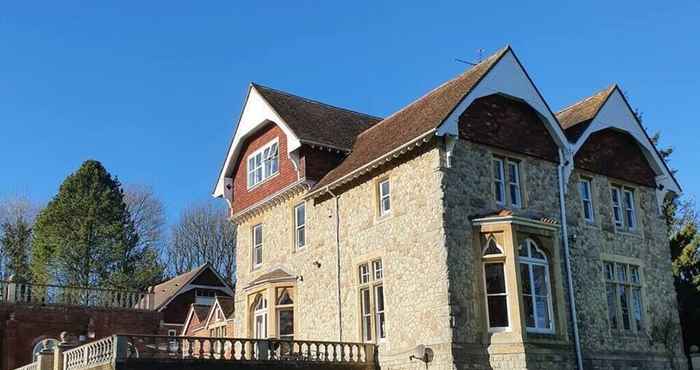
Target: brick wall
(244, 198)
(21, 327)
(501, 122)
(604, 153)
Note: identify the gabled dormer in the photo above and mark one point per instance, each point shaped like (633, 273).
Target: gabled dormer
(284, 143)
(607, 138)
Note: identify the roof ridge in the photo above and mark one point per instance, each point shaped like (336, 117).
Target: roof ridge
(313, 101)
(607, 89)
(492, 56)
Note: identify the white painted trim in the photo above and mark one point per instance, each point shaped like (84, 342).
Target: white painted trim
(507, 77)
(256, 113)
(616, 113)
(494, 220)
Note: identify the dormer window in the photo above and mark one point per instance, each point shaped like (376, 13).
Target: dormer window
(263, 163)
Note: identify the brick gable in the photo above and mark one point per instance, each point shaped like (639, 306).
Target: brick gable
(501, 122)
(615, 154)
(244, 198)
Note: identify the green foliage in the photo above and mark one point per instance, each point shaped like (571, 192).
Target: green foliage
(685, 255)
(16, 242)
(85, 235)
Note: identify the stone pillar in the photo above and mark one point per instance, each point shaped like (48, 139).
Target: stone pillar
(11, 342)
(45, 359)
(67, 343)
(695, 357)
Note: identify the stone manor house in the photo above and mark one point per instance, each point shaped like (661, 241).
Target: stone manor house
(474, 224)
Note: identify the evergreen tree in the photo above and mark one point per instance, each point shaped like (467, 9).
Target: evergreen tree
(85, 235)
(16, 243)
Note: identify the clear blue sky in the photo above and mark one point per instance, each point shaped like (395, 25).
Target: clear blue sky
(153, 88)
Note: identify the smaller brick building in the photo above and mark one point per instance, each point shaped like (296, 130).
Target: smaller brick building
(215, 320)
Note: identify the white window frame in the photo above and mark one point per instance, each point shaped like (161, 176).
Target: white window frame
(587, 199)
(531, 262)
(499, 181)
(299, 226)
(373, 270)
(630, 285)
(257, 244)
(262, 313)
(382, 196)
(260, 164)
(499, 259)
(630, 213)
(618, 219)
(514, 183)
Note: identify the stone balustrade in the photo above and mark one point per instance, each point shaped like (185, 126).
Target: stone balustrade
(44, 294)
(127, 351)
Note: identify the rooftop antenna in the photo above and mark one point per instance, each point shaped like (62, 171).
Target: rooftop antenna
(480, 56)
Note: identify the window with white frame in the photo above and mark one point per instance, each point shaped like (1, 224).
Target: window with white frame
(514, 184)
(372, 305)
(623, 285)
(630, 216)
(263, 163)
(300, 225)
(624, 210)
(584, 187)
(257, 246)
(259, 317)
(495, 287)
(285, 313)
(535, 287)
(507, 182)
(384, 197)
(499, 181)
(617, 208)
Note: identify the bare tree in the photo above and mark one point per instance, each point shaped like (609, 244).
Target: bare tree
(203, 234)
(148, 215)
(17, 215)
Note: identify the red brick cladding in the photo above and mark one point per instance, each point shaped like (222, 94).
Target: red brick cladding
(242, 198)
(318, 162)
(617, 155)
(32, 324)
(498, 121)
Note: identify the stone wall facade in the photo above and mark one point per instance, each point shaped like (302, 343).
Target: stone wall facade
(431, 250)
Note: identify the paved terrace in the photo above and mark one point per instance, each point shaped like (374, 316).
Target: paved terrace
(136, 352)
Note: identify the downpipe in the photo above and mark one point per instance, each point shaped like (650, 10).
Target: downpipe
(337, 265)
(567, 257)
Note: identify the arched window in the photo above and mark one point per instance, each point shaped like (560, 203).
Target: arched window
(260, 317)
(285, 314)
(535, 287)
(49, 344)
(495, 286)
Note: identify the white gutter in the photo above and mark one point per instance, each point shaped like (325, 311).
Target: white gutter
(565, 235)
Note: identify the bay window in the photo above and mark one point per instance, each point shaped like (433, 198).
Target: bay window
(495, 287)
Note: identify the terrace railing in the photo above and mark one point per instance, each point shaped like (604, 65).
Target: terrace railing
(91, 355)
(32, 366)
(155, 348)
(244, 349)
(44, 294)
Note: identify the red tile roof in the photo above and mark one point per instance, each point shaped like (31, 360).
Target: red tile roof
(315, 122)
(411, 122)
(575, 118)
